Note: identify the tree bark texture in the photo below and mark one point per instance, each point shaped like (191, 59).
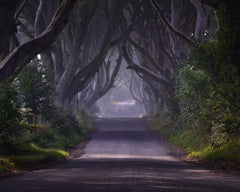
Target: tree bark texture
(203, 12)
(102, 88)
(169, 26)
(24, 53)
(8, 25)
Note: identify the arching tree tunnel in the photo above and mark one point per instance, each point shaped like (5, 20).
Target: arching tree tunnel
(101, 35)
(87, 41)
(175, 62)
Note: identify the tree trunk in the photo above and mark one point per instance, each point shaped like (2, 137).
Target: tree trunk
(8, 26)
(23, 54)
(177, 6)
(202, 17)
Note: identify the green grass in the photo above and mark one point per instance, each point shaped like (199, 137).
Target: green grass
(30, 156)
(5, 166)
(196, 143)
(229, 152)
(51, 139)
(62, 141)
(48, 138)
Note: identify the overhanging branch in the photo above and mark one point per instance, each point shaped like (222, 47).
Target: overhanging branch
(141, 70)
(23, 54)
(169, 26)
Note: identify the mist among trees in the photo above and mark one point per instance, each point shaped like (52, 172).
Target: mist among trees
(177, 57)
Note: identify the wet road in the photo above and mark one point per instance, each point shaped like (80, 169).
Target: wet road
(123, 155)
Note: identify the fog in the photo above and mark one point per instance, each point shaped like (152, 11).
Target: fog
(119, 102)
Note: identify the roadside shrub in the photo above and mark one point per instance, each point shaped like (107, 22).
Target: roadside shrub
(12, 131)
(5, 166)
(209, 95)
(62, 122)
(193, 91)
(65, 130)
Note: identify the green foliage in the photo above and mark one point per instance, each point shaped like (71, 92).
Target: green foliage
(5, 166)
(32, 94)
(36, 86)
(84, 121)
(229, 152)
(164, 122)
(188, 139)
(31, 155)
(208, 85)
(60, 129)
(66, 130)
(197, 143)
(194, 93)
(12, 131)
(209, 94)
(203, 58)
(51, 139)
(228, 36)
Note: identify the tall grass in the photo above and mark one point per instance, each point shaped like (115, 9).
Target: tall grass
(198, 144)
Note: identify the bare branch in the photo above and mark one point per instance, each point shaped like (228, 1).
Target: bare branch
(37, 18)
(169, 26)
(141, 70)
(24, 53)
(148, 56)
(24, 2)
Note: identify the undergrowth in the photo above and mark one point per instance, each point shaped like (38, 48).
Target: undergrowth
(27, 157)
(65, 136)
(198, 144)
(44, 145)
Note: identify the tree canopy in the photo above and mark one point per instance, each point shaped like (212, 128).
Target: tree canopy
(171, 47)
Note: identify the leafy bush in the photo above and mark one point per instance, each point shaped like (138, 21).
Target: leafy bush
(51, 139)
(36, 85)
(65, 130)
(197, 144)
(12, 131)
(193, 92)
(208, 92)
(209, 95)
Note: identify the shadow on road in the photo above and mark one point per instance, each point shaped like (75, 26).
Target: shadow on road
(123, 155)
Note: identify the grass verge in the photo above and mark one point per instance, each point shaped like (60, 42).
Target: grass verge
(28, 157)
(66, 137)
(197, 144)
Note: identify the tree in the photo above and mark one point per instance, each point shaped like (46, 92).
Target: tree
(80, 53)
(11, 130)
(8, 27)
(105, 80)
(98, 42)
(23, 54)
(36, 82)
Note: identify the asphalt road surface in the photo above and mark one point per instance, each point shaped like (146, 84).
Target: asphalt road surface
(123, 155)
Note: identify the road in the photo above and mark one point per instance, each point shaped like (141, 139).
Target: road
(123, 155)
